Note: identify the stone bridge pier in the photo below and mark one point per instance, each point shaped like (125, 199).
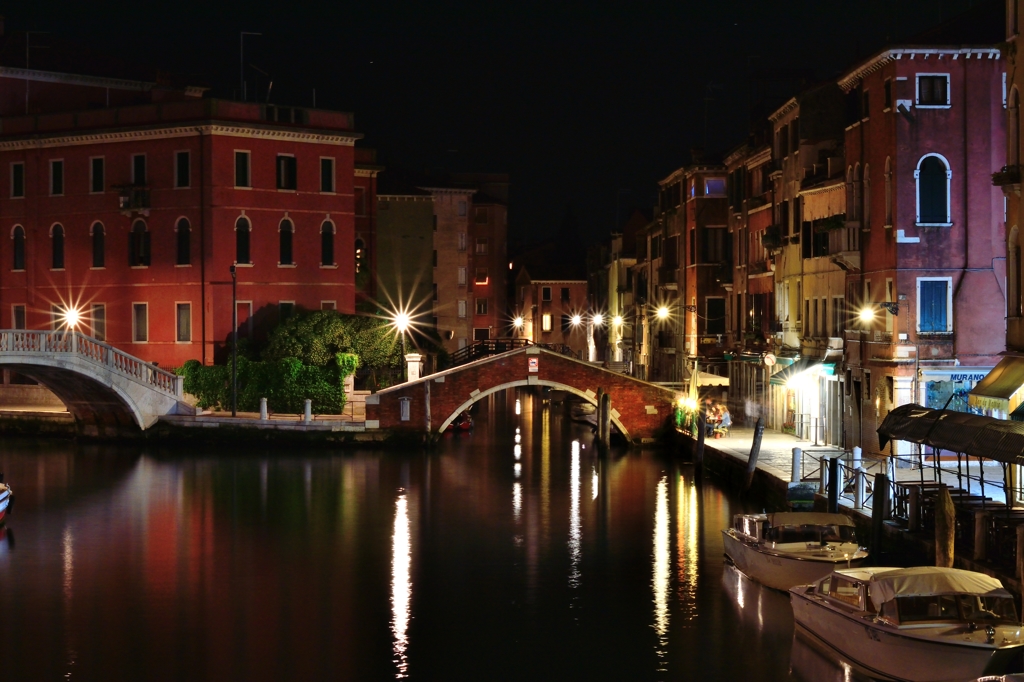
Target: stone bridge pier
(430, 404)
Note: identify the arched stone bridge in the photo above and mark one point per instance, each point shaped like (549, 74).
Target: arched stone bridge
(104, 389)
(639, 408)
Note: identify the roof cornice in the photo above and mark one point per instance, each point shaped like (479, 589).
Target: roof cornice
(783, 110)
(447, 190)
(64, 140)
(75, 79)
(763, 155)
(850, 80)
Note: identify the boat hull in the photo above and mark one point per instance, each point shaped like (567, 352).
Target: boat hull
(778, 571)
(5, 500)
(890, 654)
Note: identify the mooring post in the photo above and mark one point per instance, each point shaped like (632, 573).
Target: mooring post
(698, 452)
(755, 450)
(980, 535)
(860, 487)
(834, 485)
(945, 528)
(263, 409)
(796, 473)
(914, 509)
(426, 391)
(606, 419)
(822, 475)
(597, 414)
(307, 415)
(857, 458)
(879, 512)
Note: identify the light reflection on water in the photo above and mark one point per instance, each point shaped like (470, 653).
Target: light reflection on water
(302, 566)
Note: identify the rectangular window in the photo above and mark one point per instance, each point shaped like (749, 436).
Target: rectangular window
(545, 322)
(481, 306)
(838, 323)
(286, 172)
(182, 170)
(99, 321)
(328, 305)
(799, 296)
(462, 309)
(138, 169)
(96, 174)
(435, 294)
(18, 313)
(242, 166)
(714, 187)
(285, 309)
(481, 276)
(715, 315)
(359, 200)
(566, 297)
(404, 411)
(933, 313)
(481, 333)
(17, 180)
(545, 293)
(481, 246)
(933, 90)
(56, 177)
(140, 322)
(184, 317)
(808, 328)
(462, 275)
(462, 241)
(462, 208)
(327, 177)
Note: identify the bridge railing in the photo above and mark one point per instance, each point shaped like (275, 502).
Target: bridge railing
(64, 342)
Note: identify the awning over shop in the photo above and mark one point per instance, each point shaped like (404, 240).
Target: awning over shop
(707, 379)
(822, 202)
(971, 434)
(811, 367)
(1002, 389)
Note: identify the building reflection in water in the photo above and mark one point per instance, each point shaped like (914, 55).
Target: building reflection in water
(575, 527)
(660, 581)
(593, 484)
(401, 585)
(517, 500)
(687, 546)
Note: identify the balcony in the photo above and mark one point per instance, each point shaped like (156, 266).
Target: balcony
(133, 199)
(1006, 176)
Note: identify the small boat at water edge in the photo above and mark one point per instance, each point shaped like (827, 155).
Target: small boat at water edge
(784, 549)
(6, 497)
(464, 422)
(922, 624)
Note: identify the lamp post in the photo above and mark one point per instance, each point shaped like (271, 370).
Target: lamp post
(234, 342)
(401, 321)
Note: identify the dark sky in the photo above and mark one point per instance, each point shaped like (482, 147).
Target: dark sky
(584, 104)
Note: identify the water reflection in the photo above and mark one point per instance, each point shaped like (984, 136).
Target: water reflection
(517, 500)
(813, 663)
(575, 529)
(401, 585)
(687, 547)
(661, 578)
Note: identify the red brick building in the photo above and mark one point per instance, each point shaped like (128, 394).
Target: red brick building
(131, 202)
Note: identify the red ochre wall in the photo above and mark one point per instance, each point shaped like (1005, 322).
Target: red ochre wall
(643, 407)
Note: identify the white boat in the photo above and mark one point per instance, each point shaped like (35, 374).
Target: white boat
(791, 548)
(922, 624)
(5, 499)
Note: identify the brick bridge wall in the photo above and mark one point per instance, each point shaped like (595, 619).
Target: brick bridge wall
(639, 408)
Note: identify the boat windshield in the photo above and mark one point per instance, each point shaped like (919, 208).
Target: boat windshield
(960, 607)
(809, 532)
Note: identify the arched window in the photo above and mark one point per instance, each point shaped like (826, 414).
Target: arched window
(138, 245)
(287, 231)
(184, 241)
(242, 235)
(18, 235)
(99, 246)
(866, 212)
(888, 191)
(57, 247)
(327, 243)
(933, 176)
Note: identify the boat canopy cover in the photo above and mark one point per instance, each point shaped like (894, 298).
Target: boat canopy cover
(971, 434)
(809, 518)
(923, 581)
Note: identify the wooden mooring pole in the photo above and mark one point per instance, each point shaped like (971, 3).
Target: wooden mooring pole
(879, 513)
(945, 528)
(755, 450)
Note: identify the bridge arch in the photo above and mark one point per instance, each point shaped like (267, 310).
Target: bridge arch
(523, 382)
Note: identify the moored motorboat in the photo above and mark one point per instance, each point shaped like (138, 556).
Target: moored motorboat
(784, 549)
(922, 624)
(464, 422)
(6, 496)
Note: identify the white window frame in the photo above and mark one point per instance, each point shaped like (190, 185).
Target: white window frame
(189, 153)
(92, 320)
(92, 176)
(277, 161)
(545, 322)
(329, 305)
(23, 180)
(917, 191)
(135, 331)
(248, 168)
(917, 92)
(462, 241)
(462, 275)
(177, 329)
(334, 175)
(949, 303)
(63, 178)
(461, 308)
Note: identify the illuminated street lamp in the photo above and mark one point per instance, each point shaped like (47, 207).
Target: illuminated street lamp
(617, 320)
(72, 316)
(598, 319)
(662, 313)
(576, 320)
(401, 321)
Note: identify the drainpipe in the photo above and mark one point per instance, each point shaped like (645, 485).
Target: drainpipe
(967, 204)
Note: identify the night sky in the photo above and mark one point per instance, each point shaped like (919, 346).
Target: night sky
(585, 105)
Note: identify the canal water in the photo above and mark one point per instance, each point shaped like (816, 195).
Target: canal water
(513, 552)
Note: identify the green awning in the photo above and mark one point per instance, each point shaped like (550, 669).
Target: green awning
(801, 366)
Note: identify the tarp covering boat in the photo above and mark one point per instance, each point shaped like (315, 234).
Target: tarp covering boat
(971, 434)
(922, 581)
(809, 518)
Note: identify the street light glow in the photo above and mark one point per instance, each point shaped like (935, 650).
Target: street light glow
(598, 319)
(617, 320)
(72, 317)
(518, 322)
(867, 314)
(662, 313)
(401, 321)
(576, 320)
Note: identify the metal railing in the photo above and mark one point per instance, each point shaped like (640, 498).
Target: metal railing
(60, 342)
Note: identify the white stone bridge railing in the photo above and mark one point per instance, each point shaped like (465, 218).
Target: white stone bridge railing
(24, 342)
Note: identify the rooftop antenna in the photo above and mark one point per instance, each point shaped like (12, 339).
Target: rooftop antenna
(269, 78)
(241, 58)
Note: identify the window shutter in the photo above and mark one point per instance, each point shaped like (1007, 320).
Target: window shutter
(933, 306)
